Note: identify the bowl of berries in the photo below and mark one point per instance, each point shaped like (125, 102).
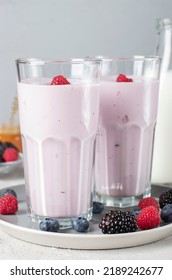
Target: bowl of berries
(10, 158)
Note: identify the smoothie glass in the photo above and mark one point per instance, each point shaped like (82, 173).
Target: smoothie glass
(58, 127)
(124, 142)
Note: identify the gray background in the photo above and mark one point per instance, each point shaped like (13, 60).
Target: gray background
(73, 28)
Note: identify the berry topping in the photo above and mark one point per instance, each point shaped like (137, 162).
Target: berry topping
(49, 224)
(8, 204)
(2, 148)
(98, 207)
(148, 218)
(10, 154)
(165, 198)
(148, 201)
(9, 191)
(116, 221)
(166, 213)
(80, 224)
(59, 80)
(123, 78)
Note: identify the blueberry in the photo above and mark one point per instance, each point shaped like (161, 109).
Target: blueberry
(98, 207)
(166, 213)
(10, 145)
(2, 148)
(136, 212)
(80, 224)
(49, 224)
(9, 191)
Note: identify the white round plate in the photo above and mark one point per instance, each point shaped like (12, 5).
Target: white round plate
(7, 167)
(21, 227)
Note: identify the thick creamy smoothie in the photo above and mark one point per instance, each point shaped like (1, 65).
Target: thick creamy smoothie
(58, 127)
(124, 143)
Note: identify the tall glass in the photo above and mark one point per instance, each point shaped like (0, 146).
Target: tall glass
(58, 126)
(162, 167)
(124, 143)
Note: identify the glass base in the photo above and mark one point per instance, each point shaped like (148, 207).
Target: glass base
(121, 202)
(65, 223)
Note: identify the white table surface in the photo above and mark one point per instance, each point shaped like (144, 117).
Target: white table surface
(14, 249)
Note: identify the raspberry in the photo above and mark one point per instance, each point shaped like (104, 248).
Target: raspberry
(8, 204)
(59, 80)
(148, 218)
(123, 78)
(10, 154)
(148, 201)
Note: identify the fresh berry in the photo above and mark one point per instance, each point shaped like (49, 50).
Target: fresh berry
(98, 207)
(165, 198)
(8, 204)
(117, 221)
(123, 78)
(2, 148)
(10, 145)
(10, 154)
(148, 218)
(136, 212)
(49, 224)
(166, 213)
(148, 201)
(59, 80)
(9, 191)
(80, 224)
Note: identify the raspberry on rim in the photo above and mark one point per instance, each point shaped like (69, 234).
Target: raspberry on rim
(59, 80)
(123, 78)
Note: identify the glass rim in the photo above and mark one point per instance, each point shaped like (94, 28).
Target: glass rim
(134, 58)
(40, 61)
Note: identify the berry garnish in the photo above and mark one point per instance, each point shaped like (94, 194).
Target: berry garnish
(123, 78)
(80, 224)
(9, 191)
(10, 154)
(148, 218)
(165, 198)
(49, 224)
(98, 207)
(8, 204)
(59, 80)
(166, 213)
(148, 201)
(117, 221)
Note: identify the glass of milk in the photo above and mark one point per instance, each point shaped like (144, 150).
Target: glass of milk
(125, 137)
(58, 125)
(162, 167)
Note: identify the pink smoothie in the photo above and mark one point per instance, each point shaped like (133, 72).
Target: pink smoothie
(58, 127)
(124, 143)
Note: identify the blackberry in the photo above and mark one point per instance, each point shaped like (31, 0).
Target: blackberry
(117, 221)
(165, 198)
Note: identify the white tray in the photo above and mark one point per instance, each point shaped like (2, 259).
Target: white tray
(20, 226)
